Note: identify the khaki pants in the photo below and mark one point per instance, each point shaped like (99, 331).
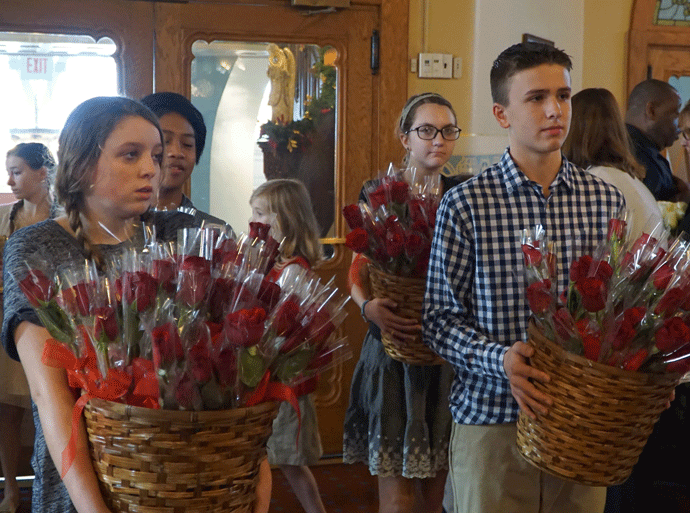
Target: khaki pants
(490, 476)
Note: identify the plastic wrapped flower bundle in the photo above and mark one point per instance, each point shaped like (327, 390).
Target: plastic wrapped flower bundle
(394, 227)
(627, 304)
(193, 327)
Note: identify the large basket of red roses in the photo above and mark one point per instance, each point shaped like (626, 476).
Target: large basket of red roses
(614, 345)
(393, 230)
(162, 460)
(182, 355)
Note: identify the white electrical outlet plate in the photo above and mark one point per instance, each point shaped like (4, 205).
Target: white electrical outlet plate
(457, 67)
(446, 66)
(425, 65)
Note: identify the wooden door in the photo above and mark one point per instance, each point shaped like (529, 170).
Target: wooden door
(359, 106)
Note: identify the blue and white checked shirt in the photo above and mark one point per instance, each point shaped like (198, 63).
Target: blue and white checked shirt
(475, 306)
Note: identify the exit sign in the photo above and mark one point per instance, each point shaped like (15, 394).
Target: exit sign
(36, 67)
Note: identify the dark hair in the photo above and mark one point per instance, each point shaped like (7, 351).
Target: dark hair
(597, 134)
(650, 90)
(165, 103)
(85, 132)
(413, 103)
(520, 57)
(36, 155)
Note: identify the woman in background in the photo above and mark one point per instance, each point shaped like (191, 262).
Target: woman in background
(404, 445)
(30, 169)
(598, 142)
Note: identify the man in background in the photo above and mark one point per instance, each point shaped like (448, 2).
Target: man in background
(652, 122)
(184, 132)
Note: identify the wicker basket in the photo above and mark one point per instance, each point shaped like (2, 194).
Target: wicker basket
(156, 461)
(600, 419)
(408, 293)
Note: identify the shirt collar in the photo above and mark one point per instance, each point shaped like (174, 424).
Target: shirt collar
(514, 177)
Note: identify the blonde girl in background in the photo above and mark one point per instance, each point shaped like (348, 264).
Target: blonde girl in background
(30, 169)
(285, 205)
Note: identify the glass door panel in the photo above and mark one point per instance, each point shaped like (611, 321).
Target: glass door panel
(231, 87)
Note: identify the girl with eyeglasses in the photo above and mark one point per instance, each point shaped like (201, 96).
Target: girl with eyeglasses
(398, 421)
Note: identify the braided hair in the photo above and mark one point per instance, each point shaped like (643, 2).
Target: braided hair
(80, 146)
(37, 156)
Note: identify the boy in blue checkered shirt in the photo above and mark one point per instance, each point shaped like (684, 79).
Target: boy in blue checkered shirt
(476, 314)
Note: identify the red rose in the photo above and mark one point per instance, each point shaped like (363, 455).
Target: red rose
(199, 360)
(357, 240)
(285, 320)
(670, 302)
(244, 327)
(604, 271)
(563, 323)
(319, 327)
(624, 335)
(417, 211)
(222, 292)
(187, 394)
(673, 335)
(580, 268)
(37, 287)
(635, 314)
(592, 347)
(414, 244)
(593, 293)
(353, 216)
(295, 340)
(225, 364)
(163, 271)
(259, 230)
(395, 241)
(662, 276)
(225, 252)
(75, 300)
(399, 192)
(139, 287)
(539, 296)
(106, 327)
(532, 255)
(269, 294)
(194, 280)
(377, 197)
(616, 229)
(166, 345)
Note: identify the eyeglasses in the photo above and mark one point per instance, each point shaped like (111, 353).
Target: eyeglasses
(428, 132)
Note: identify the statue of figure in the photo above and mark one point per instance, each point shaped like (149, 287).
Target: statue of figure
(281, 71)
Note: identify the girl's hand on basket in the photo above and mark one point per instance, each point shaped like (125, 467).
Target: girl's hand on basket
(520, 373)
(380, 311)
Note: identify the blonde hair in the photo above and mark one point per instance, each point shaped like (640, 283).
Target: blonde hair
(597, 134)
(289, 200)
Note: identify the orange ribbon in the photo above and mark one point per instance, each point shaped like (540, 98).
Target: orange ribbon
(268, 390)
(83, 373)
